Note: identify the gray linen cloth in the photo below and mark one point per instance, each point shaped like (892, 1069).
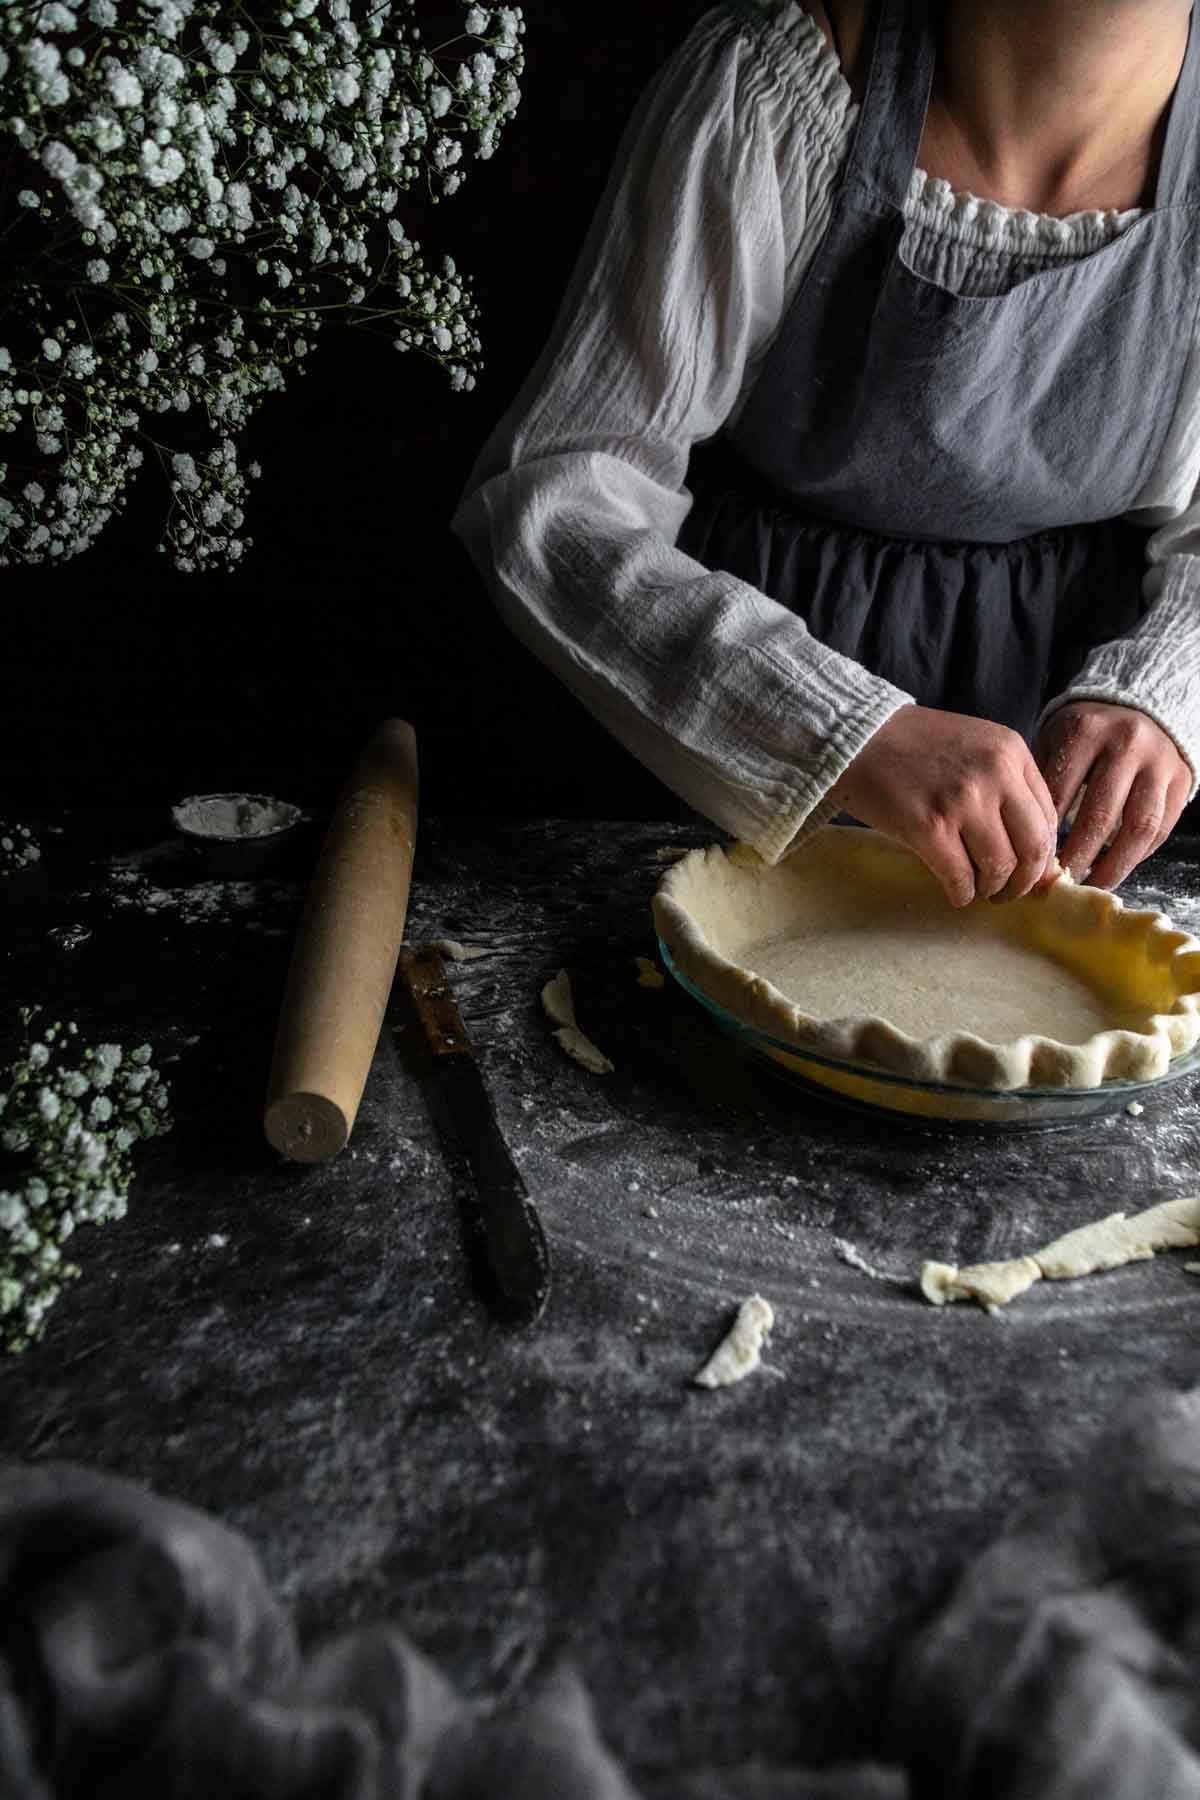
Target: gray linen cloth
(1064, 1665)
(142, 1654)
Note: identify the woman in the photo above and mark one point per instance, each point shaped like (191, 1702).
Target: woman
(922, 282)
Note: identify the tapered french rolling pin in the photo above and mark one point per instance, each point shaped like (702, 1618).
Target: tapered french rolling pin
(344, 958)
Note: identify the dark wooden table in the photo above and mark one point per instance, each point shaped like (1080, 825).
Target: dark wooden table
(299, 1349)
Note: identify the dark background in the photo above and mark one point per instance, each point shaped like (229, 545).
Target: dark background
(125, 681)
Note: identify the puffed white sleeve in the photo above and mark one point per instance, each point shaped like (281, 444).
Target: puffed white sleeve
(720, 190)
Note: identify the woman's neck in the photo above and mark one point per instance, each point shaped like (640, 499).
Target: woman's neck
(1057, 107)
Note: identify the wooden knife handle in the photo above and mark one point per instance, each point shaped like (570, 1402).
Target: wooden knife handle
(344, 958)
(437, 1011)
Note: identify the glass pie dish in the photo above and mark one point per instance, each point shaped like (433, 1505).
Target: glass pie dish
(863, 1086)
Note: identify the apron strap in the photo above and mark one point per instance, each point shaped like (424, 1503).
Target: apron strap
(891, 118)
(1178, 174)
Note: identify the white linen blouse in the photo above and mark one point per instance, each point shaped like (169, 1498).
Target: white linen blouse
(719, 196)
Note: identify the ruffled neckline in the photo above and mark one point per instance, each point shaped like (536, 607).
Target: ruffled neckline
(933, 202)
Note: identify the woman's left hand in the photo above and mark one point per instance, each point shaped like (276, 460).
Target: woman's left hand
(1137, 784)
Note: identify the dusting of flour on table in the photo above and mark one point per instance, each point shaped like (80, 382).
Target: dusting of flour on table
(849, 1253)
(740, 1352)
(200, 902)
(559, 1007)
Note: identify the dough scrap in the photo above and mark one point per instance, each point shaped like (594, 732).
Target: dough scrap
(458, 952)
(558, 1001)
(740, 1351)
(649, 973)
(993, 1284)
(578, 1045)
(559, 1006)
(1108, 1243)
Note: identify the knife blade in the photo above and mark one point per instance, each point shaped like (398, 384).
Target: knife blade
(505, 1240)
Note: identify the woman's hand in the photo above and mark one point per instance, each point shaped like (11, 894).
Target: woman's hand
(1137, 784)
(965, 794)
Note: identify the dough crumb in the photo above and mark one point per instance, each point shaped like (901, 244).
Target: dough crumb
(1191, 1268)
(1135, 1109)
(557, 1000)
(559, 1006)
(849, 1253)
(1108, 1243)
(649, 973)
(669, 853)
(578, 1045)
(458, 952)
(740, 1351)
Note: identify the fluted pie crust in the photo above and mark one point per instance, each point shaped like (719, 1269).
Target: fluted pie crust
(850, 949)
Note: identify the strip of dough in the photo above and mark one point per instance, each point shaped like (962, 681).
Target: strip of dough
(992, 1284)
(559, 1006)
(458, 952)
(740, 1352)
(1105, 1244)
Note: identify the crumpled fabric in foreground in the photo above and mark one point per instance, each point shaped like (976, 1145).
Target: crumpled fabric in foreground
(1066, 1663)
(143, 1656)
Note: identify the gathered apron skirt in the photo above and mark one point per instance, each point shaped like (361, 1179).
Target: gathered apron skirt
(992, 629)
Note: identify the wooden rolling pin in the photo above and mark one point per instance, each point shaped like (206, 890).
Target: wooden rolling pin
(345, 954)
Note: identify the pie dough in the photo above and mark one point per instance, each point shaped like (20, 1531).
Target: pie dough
(740, 1351)
(1105, 1244)
(850, 949)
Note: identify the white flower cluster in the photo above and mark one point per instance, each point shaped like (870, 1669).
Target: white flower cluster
(19, 849)
(69, 1118)
(194, 203)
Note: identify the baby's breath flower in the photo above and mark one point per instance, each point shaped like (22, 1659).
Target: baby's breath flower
(19, 849)
(130, 147)
(76, 1141)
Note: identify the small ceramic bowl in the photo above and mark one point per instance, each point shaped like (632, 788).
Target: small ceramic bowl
(237, 836)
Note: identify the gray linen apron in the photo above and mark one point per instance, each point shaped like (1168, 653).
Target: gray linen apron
(932, 480)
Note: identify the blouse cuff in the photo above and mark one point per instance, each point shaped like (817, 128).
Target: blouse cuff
(813, 806)
(1156, 668)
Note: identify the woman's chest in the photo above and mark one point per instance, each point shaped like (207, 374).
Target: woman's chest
(1120, 175)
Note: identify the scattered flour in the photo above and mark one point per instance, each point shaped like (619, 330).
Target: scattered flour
(847, 1252)
(202, 900)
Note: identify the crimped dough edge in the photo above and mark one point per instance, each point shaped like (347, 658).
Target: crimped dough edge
(957, 1058)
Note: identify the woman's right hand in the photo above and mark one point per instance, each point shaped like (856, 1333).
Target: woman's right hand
(965, 794)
